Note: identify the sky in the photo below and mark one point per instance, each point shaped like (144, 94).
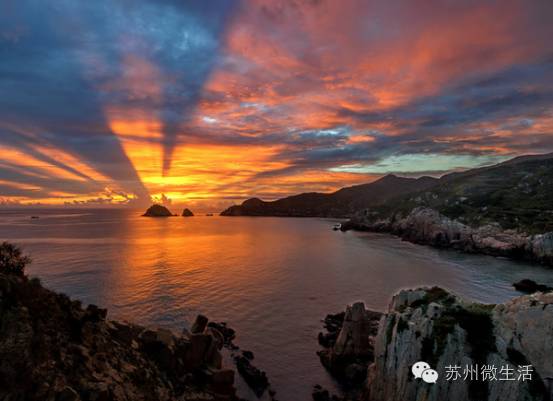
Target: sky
(207, 103)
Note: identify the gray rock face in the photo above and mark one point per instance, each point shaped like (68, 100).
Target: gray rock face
(436, 327)
(541, 246)
(347, 354)
(353, 339)
(427, 226)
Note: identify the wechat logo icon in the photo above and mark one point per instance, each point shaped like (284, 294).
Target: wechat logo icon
(422, 370)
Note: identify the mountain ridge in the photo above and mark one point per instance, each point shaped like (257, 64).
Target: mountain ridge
(490, 184)
(341, 203)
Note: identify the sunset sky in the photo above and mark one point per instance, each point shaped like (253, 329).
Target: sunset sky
(207, 103)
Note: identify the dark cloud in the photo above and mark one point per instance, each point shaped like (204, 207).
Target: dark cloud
(56, 57)
(421, 77)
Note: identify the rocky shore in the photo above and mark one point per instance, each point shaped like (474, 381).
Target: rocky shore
(434, 326)
(54, 349)
(428, 227)
(441, 329)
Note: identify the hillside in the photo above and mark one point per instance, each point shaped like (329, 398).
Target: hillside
(516, 194)
(503, 210)
(341, 203)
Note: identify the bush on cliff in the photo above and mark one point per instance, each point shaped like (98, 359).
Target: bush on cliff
(12, 260)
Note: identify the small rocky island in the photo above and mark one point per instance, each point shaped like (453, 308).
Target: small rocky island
(187, 213)
(157, 211)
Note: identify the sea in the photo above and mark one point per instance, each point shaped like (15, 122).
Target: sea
(271, 279)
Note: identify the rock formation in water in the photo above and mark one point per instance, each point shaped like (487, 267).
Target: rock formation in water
(348, 347)
(530, 286)
(452, 335)
(187, 213)
(157, 211)
(427, 226)
(51, 348)
(255, 378)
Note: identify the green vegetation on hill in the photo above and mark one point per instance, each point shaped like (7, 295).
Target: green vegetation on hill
(517, 194)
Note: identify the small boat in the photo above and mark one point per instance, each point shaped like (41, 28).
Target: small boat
(35, 217)
(337, 226)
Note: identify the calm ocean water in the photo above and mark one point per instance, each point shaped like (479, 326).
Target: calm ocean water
(272, 279)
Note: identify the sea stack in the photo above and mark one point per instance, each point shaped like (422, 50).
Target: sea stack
(187, 213)
(157, 211)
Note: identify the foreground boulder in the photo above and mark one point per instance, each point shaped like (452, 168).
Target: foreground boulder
(446, 332)
(157, 211)
(53, 349)
(187, 213)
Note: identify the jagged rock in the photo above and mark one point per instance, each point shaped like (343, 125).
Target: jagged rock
(52, 349)
(530, 286)
(218, 338)
(434, 326)
(222, 380)
(248, 355)
(157, 211)
(199, 344)
(199, 324)
(187, 213)
(541, 246)
(321, 394)
(124, 332)
(255, 378)
(348, 347)
(95, 314)
(423, 225)
(353, 339)
(228, 333)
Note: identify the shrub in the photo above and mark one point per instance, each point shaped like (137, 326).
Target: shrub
(12, 260)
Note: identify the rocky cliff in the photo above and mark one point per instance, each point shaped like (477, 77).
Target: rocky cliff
(436, 327)
(427, 226)
(53, 349)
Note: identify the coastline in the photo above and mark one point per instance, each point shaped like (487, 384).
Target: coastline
(91, 358)
(443, 331)
(319, 228)
(51, 348)
(425, 226)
